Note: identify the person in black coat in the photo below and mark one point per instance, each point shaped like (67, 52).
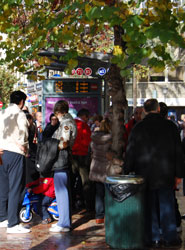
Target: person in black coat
(51, 127)
(154, 151)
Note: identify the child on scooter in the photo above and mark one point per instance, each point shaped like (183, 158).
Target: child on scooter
(45, 187)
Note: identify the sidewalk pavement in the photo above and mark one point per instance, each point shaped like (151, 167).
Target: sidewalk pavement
(86, 234)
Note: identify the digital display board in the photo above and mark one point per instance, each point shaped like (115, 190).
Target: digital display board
(77, 86)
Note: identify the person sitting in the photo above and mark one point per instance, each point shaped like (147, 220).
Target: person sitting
(44, 186)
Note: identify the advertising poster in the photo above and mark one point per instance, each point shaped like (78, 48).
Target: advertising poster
(75, 104)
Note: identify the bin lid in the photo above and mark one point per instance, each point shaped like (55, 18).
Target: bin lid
(124, 179)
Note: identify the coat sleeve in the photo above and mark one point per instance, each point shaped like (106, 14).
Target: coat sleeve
(180, 157)
(129, 165)
(23, 129)
(42, 187)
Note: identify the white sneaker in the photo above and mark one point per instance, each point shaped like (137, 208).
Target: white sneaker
(4, 223)
(58, 229)
(18, 229)
(54, 225)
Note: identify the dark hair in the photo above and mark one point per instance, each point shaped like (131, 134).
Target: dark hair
(151, 105)
(29, 116)
(52, 114)
(97, 118)
(163, 109)
(17, 96)
(25, 111)
(61, 107)
(83, 112)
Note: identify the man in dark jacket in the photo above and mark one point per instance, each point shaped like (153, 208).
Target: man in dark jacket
(154, 151)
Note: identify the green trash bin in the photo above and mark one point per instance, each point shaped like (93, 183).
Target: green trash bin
(124, 212)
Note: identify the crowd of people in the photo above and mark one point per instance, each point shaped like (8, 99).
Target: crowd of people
(69, 159)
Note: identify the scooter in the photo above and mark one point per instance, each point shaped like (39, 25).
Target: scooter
(30, 207)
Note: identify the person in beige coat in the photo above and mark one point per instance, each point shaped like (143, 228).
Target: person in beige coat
(100, 146)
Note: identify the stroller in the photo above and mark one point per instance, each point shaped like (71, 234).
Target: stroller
(30, 207)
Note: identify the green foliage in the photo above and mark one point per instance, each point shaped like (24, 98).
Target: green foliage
(7, 82)
(83, 27)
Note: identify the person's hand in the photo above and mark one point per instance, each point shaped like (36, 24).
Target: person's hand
(24, 149)
(29, 190)
(1, 151)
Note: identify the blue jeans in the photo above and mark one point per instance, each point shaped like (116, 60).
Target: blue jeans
(160, 213)
(43, 205)
(99, 200)
(62, 196)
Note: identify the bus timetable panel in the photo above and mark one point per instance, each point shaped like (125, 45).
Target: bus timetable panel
(79, 93)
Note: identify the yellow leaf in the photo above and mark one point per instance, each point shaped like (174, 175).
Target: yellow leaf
(72, 63)
(98, 3)
(5, 7)
(87, 8)
(117, 50)
(158, 69)
(55, 30)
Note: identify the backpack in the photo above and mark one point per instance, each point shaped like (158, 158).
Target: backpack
(47, 155)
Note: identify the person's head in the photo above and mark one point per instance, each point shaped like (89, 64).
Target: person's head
(29, 118)
(172, 118)
(97, 119)
(18, 97)
(39, 117)
(61, 108)
(105, 125)
(163, 109)
(138, 114)
(84, 114)
(183, 117)
(53, 119)
(151, 106)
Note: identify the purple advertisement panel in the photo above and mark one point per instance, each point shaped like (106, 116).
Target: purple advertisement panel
(75, 104)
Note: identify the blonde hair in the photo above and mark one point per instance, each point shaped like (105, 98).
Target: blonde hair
(105, 125)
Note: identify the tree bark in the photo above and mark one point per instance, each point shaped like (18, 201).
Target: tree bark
(119, 103)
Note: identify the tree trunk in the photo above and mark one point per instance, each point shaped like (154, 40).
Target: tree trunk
(134, 88)
(119, 103)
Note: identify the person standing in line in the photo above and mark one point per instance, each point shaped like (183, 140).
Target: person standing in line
(137, 116)
(51, 127)
(38, 122)
(14, 142)
(100, 146)
(154, 151)
(164, 114)
(96, 122)
(80, 153)
(66, 133)
(31, 172)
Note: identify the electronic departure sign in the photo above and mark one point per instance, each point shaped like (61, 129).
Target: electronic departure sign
(61, 86)
(78, 92)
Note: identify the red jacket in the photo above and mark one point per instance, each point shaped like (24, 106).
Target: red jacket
(44, 186)
(128, 128)
(83, 138)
